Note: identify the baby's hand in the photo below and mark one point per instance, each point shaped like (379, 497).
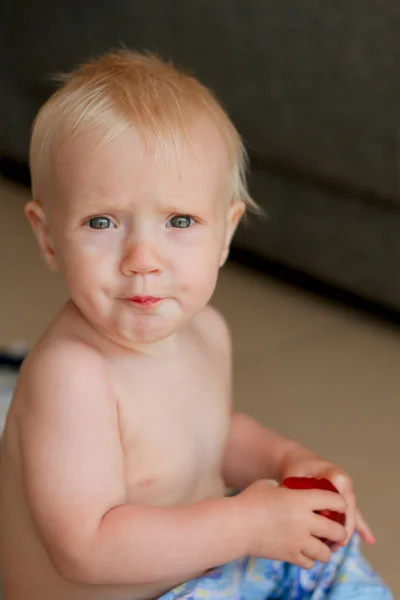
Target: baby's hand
(304, 463)
(284, 525)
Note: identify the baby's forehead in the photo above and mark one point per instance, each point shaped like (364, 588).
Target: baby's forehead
(199, 134)
(130, 158)
(201, 143)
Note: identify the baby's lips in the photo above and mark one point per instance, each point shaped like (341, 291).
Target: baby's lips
(320, 483)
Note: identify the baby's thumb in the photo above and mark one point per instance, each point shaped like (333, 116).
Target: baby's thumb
(272, 482)
(339, 480)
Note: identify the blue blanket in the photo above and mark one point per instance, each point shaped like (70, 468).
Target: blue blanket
(346, 576)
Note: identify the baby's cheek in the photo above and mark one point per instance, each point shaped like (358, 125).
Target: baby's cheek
(200, 283)
(84, 277)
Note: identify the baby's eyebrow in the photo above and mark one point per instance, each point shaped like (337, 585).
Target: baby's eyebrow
(181, 209)
(86, 206)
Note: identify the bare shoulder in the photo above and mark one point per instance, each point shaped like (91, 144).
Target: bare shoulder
(60, 366)
(211, 325)
(67, 357)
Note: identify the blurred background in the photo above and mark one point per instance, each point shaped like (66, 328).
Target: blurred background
(312, 290)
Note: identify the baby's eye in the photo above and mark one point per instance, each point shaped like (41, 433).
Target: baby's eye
(100, 223)
(181, 221)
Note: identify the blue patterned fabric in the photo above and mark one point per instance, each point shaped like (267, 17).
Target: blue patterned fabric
(346, 576)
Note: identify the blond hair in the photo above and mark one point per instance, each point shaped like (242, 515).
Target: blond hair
(108, 95)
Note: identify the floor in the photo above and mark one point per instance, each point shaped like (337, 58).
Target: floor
(309, 368)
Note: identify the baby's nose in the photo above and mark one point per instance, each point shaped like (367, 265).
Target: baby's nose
(140, 257)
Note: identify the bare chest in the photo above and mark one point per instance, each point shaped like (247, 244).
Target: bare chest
(174, 422)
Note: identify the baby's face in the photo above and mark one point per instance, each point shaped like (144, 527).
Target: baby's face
(139, 239)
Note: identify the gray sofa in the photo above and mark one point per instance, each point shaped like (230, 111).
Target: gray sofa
(313, 86)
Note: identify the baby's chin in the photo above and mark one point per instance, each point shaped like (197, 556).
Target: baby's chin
(145, 336)
(139, 331)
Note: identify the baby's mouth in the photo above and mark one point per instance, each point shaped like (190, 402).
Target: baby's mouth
(144, 300)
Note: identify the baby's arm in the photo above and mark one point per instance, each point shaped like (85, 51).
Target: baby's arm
(253, 452)
(73, 470)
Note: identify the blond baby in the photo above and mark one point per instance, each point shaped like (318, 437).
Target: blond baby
(121, 439)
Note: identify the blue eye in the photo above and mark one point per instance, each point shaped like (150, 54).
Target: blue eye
(181, 221)
(101, 223)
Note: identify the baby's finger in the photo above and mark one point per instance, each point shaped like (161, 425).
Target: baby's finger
(350, 516)
(324, 500)
(340, 480)
(322, 527)
(344, 485)
(363, 529)
(305, 562)
(316, 550)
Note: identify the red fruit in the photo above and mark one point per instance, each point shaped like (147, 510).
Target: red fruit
(319, 483)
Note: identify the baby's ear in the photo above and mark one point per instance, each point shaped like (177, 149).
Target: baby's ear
(235, 213)
(37, 218)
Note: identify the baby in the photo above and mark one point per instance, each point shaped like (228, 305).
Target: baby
(121, 440)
